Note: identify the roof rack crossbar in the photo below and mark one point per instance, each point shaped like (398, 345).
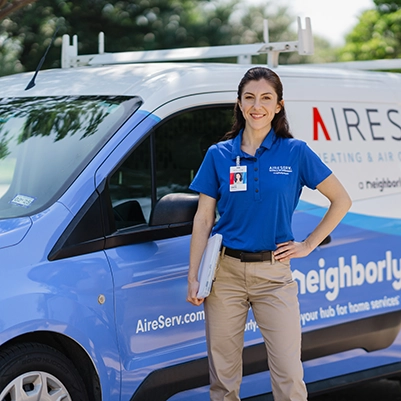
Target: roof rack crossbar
(367, 65)
(244, 53)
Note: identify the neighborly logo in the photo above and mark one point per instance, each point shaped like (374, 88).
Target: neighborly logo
(286, 170)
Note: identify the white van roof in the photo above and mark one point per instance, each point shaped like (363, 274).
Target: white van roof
(169, 80)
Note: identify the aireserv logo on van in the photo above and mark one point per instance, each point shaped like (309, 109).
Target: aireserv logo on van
(357, 141)
(349, 123)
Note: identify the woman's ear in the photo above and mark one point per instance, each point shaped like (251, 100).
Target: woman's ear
(280, 106)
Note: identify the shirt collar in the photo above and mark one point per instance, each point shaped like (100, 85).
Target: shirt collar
(267, 143)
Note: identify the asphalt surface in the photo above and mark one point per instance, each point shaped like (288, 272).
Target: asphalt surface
(377, 390)
(380, 390)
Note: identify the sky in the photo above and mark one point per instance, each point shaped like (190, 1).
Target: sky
(331, 19)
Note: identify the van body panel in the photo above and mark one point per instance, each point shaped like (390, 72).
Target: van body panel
(118, 292)
(60, 297)
(13, 231)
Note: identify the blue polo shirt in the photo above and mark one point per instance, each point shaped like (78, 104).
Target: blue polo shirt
(260, 217)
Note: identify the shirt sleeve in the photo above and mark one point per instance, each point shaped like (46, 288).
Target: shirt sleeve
(313, 170)
(206, 179)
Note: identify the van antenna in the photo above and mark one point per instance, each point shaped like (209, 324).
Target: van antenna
(31, 83)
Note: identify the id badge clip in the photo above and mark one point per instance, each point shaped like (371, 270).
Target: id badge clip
(238, 177)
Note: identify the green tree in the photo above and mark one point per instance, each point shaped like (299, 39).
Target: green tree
(9, 6)
(377, 34)
(10, 49)
(139, 25)
(388, 6)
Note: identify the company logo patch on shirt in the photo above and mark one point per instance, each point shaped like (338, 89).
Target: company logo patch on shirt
(286, 170)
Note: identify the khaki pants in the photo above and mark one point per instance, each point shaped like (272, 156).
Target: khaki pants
(270, 291)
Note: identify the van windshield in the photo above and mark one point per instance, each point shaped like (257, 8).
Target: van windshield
(45, 142)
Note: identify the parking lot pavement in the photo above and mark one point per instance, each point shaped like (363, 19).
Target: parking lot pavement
(379, 390)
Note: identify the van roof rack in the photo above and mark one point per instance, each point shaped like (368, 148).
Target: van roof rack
(244, 53)
(371, 65)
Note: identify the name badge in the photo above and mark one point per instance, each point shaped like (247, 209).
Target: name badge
(237, 178)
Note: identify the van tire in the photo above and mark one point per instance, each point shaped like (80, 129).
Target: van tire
(31, 367)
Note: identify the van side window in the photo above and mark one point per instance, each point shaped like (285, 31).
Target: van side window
(179, 145)
(182, 142)
(130, 188)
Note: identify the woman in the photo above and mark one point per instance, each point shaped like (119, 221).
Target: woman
(258, 244)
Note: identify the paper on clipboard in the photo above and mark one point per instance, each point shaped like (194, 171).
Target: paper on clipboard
(208, 265)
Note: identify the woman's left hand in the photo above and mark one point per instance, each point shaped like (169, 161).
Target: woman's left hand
(290, 250)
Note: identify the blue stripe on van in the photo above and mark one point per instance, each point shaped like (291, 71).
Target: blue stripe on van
(385, 225)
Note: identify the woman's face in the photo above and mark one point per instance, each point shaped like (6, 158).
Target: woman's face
(259, 105)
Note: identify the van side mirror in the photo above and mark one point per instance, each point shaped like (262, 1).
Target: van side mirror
(172, 216)
(174, 208)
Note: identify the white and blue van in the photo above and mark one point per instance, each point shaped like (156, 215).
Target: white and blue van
(96, 216)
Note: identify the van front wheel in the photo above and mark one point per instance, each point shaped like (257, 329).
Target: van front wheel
(37, 372)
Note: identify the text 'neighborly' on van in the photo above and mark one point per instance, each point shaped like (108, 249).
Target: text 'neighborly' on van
(96, 216)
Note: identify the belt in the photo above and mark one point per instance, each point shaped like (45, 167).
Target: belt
(264, 256)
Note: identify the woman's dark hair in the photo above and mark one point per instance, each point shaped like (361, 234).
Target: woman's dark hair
(280, 122)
